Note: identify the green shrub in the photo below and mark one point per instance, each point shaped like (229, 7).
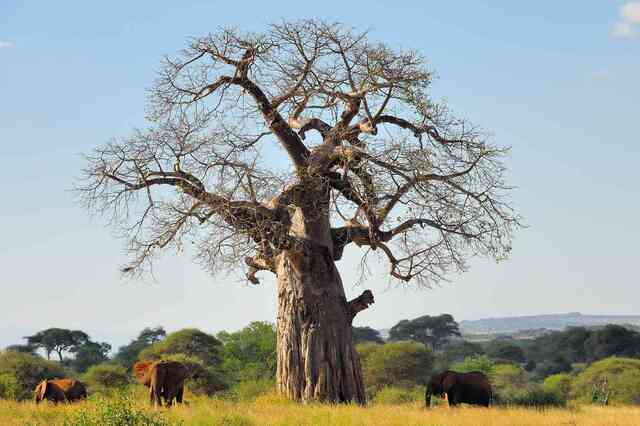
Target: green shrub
(119, 411)
(189, 341)
(536, 397)
(106, 377)
(614, 379)
(480, 363)
(560, 384)
(404, 364)
(507, 380)
(393, 395)
(21, 372)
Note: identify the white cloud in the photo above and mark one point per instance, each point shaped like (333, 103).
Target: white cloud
(5, 44)
(628, 26)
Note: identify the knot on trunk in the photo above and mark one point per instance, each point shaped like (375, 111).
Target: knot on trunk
(360, 303)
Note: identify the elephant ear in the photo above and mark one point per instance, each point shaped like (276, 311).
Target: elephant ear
(42, 390)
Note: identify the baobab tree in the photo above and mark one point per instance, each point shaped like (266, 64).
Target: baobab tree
(275, 151)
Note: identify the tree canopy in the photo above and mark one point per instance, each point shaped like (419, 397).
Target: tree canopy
(249, 353)
(127, 355)
(57, 340)
(190, 342)
(366, 334)
(431, 331)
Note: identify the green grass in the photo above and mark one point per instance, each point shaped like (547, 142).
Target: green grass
(270, 409)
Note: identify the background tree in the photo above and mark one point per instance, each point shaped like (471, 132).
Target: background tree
(366, 334)
(21, 372)
(403, 364)
(503, 351)
(250, 353)
(371, 159)
(127, 355)
(458, 351)
(431, 331)
(88, 354)
(190, 342)
(612, 340)
(57, 340)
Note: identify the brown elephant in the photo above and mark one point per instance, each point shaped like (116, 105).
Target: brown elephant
(165, 380)
(60, 390)
(469, 388)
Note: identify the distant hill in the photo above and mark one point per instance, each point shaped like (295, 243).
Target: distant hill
(551, 322)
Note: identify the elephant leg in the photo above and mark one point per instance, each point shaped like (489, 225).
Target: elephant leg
(452, 397)
(179, 394)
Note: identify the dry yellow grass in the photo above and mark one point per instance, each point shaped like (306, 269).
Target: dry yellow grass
(272, 410)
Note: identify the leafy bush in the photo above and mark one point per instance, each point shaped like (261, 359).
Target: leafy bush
(617, 378)
(560, 384)
(404, 364)
(106, 377)
(537, 397)
(191, 342)
(120, 411)
(393, 395)
(21, 372)
(480, 363)
(507, 380)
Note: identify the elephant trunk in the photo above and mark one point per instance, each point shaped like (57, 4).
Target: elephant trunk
(428, 399)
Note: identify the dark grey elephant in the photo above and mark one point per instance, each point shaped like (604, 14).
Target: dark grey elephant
(469, 388)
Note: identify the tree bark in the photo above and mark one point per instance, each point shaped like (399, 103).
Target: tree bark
(317, 360)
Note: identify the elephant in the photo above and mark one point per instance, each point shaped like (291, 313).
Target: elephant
(60, 390)
(165, 380)
(470, 388)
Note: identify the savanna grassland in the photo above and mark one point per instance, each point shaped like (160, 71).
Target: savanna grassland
(274, 410)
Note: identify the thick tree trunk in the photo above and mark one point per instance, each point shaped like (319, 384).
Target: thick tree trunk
(317, 360)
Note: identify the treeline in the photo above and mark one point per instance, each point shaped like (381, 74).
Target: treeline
(597, 365)
(225, 362)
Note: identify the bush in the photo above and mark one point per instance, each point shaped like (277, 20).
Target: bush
(536, 397)
(21, 372)
(617, 378)
(404, 364)
(393, 395)
(560, 384)
(106, 377)
(508, 380)
(119, 411)
(479, 363)
(191, 342)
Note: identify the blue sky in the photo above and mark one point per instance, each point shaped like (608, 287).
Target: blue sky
(557, 81)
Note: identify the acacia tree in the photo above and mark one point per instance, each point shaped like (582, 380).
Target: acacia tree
(368, 159)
